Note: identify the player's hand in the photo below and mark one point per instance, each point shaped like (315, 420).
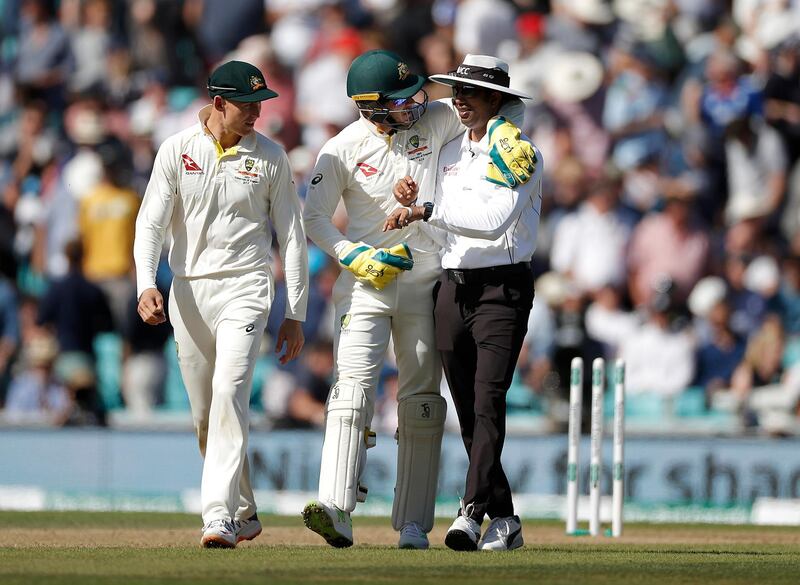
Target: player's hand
(376, 267)
(290, 334)
(513, 160)
(398, 219)
(151, 307)
(405, 191)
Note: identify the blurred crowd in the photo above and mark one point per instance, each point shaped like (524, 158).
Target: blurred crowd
(670, 232)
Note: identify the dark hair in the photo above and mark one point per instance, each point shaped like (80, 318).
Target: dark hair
(73, 250)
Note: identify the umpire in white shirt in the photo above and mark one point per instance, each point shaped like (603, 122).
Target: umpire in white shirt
(219, 188)
(485, 294)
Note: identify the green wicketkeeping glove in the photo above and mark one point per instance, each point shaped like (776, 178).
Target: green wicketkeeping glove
(377, 267)
(513, 159)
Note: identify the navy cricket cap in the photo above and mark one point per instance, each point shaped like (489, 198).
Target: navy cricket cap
(240, 82)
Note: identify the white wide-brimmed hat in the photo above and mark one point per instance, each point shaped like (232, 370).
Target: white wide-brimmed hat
(481, 71)
(589, 11)
(706, 294)
(573, 77)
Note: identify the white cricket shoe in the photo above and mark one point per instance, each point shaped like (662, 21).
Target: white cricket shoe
(502, 534)
(247, 529)
(463, 534)
(219, 534)
(412, 536)
(331, 523)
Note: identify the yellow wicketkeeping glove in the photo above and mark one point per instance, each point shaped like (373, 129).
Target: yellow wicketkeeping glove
(377, 267)
(513, 160)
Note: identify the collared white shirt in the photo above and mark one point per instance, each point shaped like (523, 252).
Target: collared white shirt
(218, 206)
(591, 247)
(360, 166)
(484, 224)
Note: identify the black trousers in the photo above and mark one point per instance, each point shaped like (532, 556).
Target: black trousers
(481, 320)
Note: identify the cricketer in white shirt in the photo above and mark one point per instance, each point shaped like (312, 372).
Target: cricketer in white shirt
(218, 205)
(359, 166)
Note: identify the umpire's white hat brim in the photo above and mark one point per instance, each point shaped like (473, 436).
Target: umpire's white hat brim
(484, 62)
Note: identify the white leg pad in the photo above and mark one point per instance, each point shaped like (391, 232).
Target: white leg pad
(347, 417)
(420, 420)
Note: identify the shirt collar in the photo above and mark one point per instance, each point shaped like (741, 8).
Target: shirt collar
(480, 147)
(373, 129)
(246, 144)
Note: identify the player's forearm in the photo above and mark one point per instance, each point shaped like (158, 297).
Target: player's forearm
(320, 230)
(294, 255)
(146, 254)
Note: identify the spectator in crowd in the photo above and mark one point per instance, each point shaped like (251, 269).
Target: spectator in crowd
(580, 25)
(782, 93)
(81, 171)
(306, 405)
(481, 25)
(76, 373)
(761, 385)
(35, 395)
(720, 354)
(219, 26)
(786, 303)
(106, 223)
(9, 332)
(90, 42)
(75, 308)
(659, 352)
(590, 243)
(748, 308)
(573, 91)
(533, 54)
(44, 60)
(727, 94)
(667, 244)
(634, 106)
(757, 164)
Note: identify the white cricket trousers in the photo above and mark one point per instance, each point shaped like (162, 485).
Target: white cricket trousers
(366, 319)
(219, 323)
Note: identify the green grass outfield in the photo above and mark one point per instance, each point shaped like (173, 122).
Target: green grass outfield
(121, 548)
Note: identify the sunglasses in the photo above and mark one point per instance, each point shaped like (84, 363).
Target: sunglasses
(467, 91)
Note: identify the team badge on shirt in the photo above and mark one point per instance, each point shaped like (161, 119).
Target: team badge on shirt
(417, 148)
(249, 171)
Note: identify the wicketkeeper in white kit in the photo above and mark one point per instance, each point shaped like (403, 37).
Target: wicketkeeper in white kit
(384, 290)
(217, 187)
